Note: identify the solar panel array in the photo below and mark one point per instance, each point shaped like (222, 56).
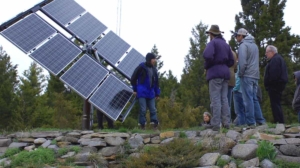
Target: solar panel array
(87, 27)
(84, 76)
(111, 97)
(132, 60)
(63, 11)
(28, 32)
(56, 54)
(111, 47)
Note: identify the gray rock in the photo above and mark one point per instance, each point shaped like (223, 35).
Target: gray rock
(86, 132)
(251, 141)
(208, 133)
(191, 134)
(3, 149)
(108, 151)
(39, 141)
(136, 141)
(290, 150)
(293, 130)
(267, 164)
(166, 141)
(136, 155)
(54, 147)
(22, 135)
(232, 164)
(278, 141)
(226, 158)
(288, 158)
(291, 135)
(248, 133)
(69, 139)
(280, 128)
(209, 159)
(97, 142)
(47, 134)
(250, 163)
(233, 135)
(5, 142)
(226, 144)
(74, 135)
(17, 145)
(114, 141)
(82, 156)
(28, 140)
(103, 135)
(295, 141)
(155, 140)
(89, 149)
(46, 144)
(69, 154)
(29, 148)
(244, 151)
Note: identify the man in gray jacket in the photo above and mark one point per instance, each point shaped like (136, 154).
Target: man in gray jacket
(249, 75)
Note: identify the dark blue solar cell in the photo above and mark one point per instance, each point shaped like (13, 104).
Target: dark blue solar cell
(111, 47)
(87, 27)
(63, 11)
(111, 97)
(130, 62)
(28, 32)
(84, 76)
(56, 54)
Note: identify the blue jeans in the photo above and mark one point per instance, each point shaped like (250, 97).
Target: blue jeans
(299, 116)
(252, 108)
(239, 108)
(219, 104)
(144, 103)
(229, 97)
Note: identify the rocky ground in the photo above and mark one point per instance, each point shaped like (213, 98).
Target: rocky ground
(234, 144)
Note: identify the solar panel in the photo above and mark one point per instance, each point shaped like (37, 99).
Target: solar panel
(84, 76)
(87, 27)
(56, 54)
(63, 11)
(28, 32)
(111, 47)
(111, 97)
(130, 62)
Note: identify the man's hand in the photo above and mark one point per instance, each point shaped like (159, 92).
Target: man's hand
(157, 97)
(134, 93)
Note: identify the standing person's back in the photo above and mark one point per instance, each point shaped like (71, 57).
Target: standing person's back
(275, 80)
(296, 100)
(249, 74)
(218, 58)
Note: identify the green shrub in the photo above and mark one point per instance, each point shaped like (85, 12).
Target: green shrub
(265, 150)
(182, 135)
(222, 162)
(35, 158)
(284, 164)
(76, 149)
(178, 153)
(62, 151)
(10, 152)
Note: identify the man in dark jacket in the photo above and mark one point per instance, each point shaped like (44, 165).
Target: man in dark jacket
(218, 58)
(296, 99)
(275, 80)
(144, 81)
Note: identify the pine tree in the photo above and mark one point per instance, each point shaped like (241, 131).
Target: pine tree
(193, 85)
(30, 92)
(264, 20)
(8, 85)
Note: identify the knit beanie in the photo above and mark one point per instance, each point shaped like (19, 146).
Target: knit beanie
(150, 56)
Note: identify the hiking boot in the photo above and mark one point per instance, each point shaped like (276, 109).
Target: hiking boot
(142, 127)
(216, 128)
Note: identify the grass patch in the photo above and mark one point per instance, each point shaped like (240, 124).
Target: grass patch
(178, 153)
(10, 152)
(36, 158)
(284, 164)
(222, 162)
(265, 150)
(182, 134)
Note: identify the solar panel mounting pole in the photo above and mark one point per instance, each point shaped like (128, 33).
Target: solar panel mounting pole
(86, 115)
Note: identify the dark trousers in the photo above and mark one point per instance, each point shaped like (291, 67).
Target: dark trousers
(110, 122)
(275, 94)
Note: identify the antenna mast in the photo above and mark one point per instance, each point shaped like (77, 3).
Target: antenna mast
(119, 17)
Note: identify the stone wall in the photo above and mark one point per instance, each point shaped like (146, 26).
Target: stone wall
(236, 143)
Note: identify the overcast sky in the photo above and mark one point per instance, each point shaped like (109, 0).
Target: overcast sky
(145, 23)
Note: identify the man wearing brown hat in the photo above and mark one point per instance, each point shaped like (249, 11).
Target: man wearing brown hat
(218, 58)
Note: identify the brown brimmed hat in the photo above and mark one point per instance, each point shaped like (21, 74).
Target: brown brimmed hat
(214, 29)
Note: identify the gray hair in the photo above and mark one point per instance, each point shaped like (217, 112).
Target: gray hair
(208, 114)
(272, 48)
